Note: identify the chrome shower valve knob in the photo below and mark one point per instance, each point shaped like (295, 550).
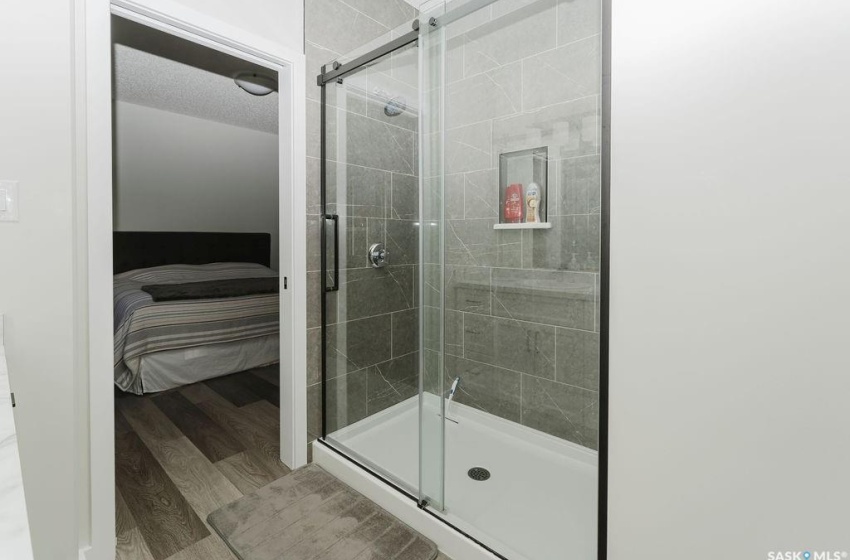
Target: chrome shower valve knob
(378, 255)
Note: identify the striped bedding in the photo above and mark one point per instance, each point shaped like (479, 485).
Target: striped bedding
(142, 326)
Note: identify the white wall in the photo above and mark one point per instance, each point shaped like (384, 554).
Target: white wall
(180, 173)
(730, 374)
(41, 268)
(279, 21)
(37, 279)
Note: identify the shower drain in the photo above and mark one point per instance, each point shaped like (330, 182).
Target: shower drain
(478, 473)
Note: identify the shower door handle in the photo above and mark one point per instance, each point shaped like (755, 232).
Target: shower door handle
(335, 219)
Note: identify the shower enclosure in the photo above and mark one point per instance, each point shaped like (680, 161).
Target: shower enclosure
(463, 265)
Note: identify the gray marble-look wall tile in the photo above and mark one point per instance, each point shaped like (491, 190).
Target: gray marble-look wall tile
(571, 244)
(354, 240)
(314, 129)
(476, 243)
(485, 387)
(375, 291)
(578, 358)
(433, 379)
(517, 345)
(405, 65)
(376, 144)
(453, 186)
(551, 297)
(504, 7)
(339, 27)
(453, 329)
(377, 234)
(316, 56)
(432, 285)
(352, 94)
(314, 187)
(347, 399)
(433, 335)
(405, 325)
(481, 194)
(568, 129)
(561, 410)
(367, 192)
(492, 94)
(578, 19)
(565, 73)
(511, 36)
(392, 382)
(314, 301)
(358, 344)
(314, 242)
(465, 24)
(467, 288)
(390, 13)
(447, 335)
(469, 148)
(454, 58)
(403, 241)
(383, 87)
(405, 197)
(314, 355)
(580, 186)
(417, 278)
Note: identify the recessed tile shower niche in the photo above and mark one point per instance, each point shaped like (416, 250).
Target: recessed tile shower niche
(523, 189)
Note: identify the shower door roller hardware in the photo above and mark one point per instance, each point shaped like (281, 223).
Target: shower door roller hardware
(378, 255)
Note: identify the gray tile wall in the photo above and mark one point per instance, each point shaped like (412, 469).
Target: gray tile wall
(373, 341)
(521, 326)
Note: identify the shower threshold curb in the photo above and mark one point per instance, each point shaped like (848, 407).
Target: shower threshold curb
(449, 540)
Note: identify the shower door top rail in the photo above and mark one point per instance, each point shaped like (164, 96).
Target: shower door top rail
(340, 70)
(454, 14)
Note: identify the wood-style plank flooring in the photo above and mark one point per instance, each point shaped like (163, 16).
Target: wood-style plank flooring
(182, 454)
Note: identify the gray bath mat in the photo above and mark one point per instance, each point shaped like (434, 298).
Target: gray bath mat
(310, 515)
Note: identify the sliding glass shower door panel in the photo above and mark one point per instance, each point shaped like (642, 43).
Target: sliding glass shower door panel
(432, 389)
(371, 360)
(511, 202)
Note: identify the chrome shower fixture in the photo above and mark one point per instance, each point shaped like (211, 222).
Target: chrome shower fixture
(394, 105)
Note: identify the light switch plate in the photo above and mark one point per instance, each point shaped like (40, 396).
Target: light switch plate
(9, 204)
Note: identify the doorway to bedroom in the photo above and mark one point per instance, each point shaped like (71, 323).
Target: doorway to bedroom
(196, 289)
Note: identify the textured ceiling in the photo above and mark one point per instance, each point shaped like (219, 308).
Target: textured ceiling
(161, 71)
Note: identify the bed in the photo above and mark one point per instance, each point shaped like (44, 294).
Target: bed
(190, 306)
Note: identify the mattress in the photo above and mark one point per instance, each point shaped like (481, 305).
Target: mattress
(143, 327)
(168, 369)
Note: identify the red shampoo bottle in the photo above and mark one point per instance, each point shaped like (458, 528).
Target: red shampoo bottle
(513, 204)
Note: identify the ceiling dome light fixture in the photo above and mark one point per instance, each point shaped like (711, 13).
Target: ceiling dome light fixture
(255, 84)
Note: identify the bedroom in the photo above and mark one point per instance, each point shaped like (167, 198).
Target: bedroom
(196, 285)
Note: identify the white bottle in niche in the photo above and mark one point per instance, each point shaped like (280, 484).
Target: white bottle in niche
(532, 203)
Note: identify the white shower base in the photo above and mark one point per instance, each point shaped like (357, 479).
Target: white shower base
(539, 503)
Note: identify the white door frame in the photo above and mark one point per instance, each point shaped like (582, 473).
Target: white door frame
(94, 111)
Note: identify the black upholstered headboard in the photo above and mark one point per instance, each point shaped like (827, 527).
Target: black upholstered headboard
(144, 249)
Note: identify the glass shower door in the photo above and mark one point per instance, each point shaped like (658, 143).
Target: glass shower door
(511, 163)
(462, 208)
(371, 264)
(432, 389)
